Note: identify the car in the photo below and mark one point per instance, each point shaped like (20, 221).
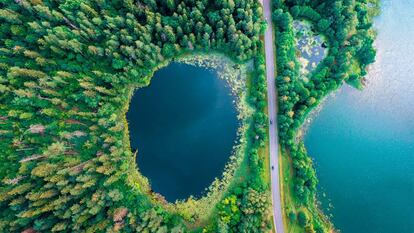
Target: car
(271, 122)
(273, 168)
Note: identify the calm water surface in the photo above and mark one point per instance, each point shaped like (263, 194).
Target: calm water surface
(184, 126)
(363, 141)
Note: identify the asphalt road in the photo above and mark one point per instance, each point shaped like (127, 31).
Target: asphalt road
(272, 108)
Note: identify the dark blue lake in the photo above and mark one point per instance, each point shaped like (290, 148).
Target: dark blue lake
(184, 125)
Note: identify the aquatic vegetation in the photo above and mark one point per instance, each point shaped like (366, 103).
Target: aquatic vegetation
(310, 47)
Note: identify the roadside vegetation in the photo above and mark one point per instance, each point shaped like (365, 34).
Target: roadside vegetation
(347, 28)
(67, 71)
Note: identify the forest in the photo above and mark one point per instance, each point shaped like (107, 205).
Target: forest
(347, 27)
(66, 70)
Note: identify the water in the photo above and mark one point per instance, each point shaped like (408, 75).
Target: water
(309, 45)
(184, 126)
(363, 141)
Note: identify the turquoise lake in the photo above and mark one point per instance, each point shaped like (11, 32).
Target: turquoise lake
(184, 125)
(362, 142)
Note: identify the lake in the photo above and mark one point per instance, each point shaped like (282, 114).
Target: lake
(184, 125)
(363, 141)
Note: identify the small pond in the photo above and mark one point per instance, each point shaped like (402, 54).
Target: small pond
(311, 47)
(184, 125)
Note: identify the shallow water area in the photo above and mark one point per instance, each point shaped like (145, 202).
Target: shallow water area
(311, 46)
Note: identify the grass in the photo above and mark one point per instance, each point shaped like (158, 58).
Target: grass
(287, 192)
(291, 203)
(264, 155)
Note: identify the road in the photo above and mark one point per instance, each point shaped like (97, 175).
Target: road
(272, 105)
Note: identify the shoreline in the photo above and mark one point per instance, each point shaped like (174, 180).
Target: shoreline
(303, 129)
(200, 208)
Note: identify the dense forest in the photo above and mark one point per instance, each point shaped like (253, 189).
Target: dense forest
(66, 70)
(347, 28)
